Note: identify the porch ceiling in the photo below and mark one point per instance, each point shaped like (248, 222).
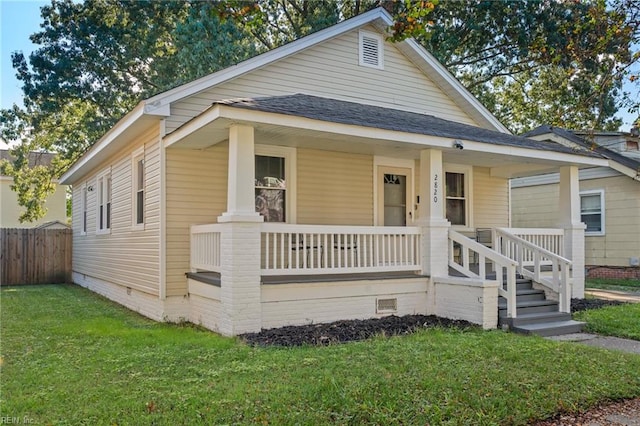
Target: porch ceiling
(285, 129)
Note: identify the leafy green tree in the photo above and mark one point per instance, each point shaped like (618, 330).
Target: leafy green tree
(530, 62)
(540, 62)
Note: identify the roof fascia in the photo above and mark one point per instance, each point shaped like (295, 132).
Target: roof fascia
(628, 171)
(113, 133)
(451, 82)
(162, 100)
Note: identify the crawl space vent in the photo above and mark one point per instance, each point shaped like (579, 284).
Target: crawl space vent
(371, 53)
(386, 305)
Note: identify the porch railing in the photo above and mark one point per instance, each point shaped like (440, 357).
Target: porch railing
(462, 250)
(205, 247)
(531, 258)
(319, 249)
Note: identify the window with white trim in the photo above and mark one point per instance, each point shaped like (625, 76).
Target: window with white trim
(458, 203)
(83, 208)
(103, 203)
(138, 188)
(592, 211)
(274, 183)
(371, 50)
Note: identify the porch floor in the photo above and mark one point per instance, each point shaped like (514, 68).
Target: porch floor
(213, 278)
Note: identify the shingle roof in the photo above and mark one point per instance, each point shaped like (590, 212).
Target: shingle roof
(343, 112)
(35, 158)
(570, 136)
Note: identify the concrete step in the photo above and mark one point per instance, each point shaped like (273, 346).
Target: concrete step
(550, 328)
(521, 284)
(537, 318)
(529, 295)
(528, 307)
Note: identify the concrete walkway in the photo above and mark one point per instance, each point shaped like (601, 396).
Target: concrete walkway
(607, 342)
(623, 296)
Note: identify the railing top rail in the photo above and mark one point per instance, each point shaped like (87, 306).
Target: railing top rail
(481, 249)
(533, 231)
(534, 247)
(339, 229)
(209, 227)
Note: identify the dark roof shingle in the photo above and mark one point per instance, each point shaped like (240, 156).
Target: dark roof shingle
(343, 112)
(570, 136)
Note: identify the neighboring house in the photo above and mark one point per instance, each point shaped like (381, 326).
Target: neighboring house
(10, 210)
(336, 177)
(609, 200)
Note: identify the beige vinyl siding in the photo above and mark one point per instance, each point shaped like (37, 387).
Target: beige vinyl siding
(56, 205)
(125, 257)
(334, 188)
(537, 207)
(490, 199)
(196, 187)
(622, 222)
(331, 69)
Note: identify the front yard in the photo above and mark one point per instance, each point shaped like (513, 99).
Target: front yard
(71, 357)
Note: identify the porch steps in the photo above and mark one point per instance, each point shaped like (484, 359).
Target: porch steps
(536, 314)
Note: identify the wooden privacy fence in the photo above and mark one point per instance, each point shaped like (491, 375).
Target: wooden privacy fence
(35, 256)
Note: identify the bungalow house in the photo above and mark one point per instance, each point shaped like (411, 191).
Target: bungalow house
(339, 176)
(609, 200)
(10, 212)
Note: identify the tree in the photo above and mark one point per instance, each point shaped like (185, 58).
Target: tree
(97, 59)
(540, 62)
(531, 62)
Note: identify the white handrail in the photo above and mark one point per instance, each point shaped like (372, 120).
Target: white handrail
(518, 249)
(503, 266)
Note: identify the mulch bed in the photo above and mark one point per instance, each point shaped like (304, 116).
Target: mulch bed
(586, 304)
(353, 330)
(349, 330)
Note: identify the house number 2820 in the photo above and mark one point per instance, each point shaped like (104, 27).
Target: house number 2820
(435, 188)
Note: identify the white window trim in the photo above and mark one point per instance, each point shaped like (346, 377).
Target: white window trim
(290, 167)
(105, 175)
(599, 192)
(380, 41)
(84, 222)
(468, 190)
(135, 156)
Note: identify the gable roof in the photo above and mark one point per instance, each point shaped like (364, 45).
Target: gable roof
(343, 112)
(158, 107)
(616, 157)
(381, 20)
(35, 158)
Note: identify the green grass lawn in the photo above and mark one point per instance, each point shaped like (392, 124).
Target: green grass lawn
(71, 357)
(620, 321)
(631, 285)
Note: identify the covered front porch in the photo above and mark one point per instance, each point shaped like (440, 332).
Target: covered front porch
(373, 251)
(319, 273)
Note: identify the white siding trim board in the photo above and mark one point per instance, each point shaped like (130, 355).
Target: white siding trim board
(551, 178)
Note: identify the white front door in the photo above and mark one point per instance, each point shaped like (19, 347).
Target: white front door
(394, 196)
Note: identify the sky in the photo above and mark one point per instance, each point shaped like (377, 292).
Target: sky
(21, 18)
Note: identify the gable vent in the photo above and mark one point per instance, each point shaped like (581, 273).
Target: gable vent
(371, 50)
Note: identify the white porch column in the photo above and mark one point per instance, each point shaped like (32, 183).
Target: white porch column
(435, 228)
(240, 240)
(569, 209)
